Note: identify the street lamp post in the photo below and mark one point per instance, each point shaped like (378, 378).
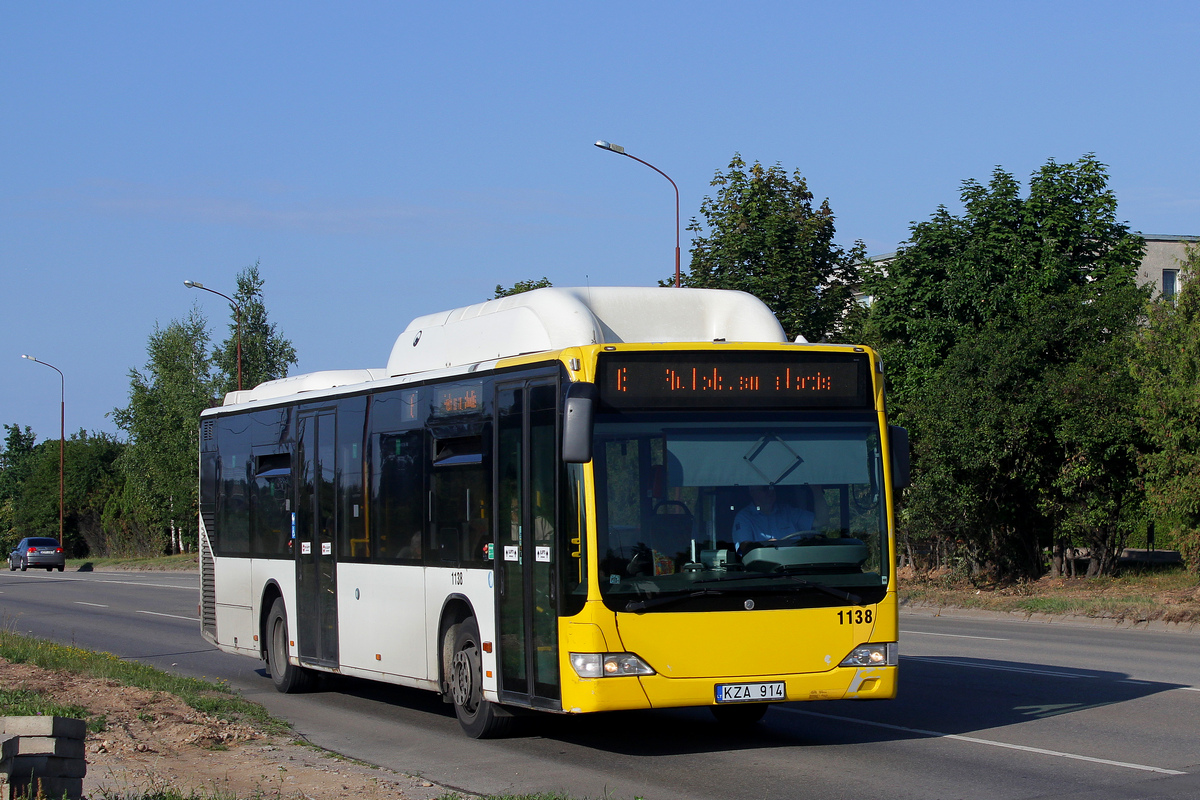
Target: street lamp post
(238, 310)
(62, 436)
(616, 148)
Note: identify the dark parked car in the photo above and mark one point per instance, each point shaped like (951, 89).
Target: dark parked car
(37, 551)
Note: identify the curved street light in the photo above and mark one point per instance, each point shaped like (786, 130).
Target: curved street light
(238, 310)
(616, 148)
(62, 436)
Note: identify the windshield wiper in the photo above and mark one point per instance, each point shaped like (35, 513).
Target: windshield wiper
(782, 573)
(655, 602)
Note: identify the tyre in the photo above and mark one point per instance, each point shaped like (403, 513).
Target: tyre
(741, 715)
(479, 718)
(24, 564)
(12, 565)
(287, 677)
(49, 569)
(61, 567)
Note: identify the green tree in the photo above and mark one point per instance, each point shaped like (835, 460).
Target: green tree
(1003, 331)
(91, 479)
(266, 355)
(162, 419)
(762, 235)
(522, 286)
(1167, 368)
(15, 465)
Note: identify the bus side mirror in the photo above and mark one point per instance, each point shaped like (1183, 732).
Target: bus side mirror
(898, 444)
(579, 411)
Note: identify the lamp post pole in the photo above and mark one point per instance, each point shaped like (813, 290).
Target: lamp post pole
(238, 310)
(62, 436)
(616, 148)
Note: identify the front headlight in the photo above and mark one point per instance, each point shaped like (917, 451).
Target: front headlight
(608, 665)
(872, 655)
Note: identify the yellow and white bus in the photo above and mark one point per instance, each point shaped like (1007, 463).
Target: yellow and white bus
(549, 502)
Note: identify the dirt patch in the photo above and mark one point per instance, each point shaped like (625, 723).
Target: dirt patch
(153, 740)
(1170, 600)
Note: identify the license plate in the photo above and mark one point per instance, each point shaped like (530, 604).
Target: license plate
(47, 552)
(750, 692)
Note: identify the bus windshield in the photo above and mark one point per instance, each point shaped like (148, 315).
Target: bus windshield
(769, 510)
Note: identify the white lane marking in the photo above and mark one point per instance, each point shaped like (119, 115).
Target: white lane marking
(992, 743)
(997, 667)
(953, 635)
(1190, 688)
(156, 585)
(94, 605)
(172, 616)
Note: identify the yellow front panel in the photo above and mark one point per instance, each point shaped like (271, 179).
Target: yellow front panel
(692, 653)
(736, 643)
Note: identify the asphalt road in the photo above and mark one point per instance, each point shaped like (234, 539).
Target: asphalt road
(989, 708)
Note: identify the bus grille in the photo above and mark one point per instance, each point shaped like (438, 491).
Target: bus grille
(208, 592)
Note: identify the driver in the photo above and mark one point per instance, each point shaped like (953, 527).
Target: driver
(766, 519)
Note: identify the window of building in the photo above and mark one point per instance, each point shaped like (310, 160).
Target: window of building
(1170, 283)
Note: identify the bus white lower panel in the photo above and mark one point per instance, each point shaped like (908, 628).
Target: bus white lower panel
(382, 619)
(235, 614)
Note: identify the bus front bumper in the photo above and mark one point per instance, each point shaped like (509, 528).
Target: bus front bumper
(583, 695)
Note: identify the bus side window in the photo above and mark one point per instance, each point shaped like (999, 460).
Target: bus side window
(398, 495)
(461, 493)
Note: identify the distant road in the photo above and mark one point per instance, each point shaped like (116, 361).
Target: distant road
(988, 709)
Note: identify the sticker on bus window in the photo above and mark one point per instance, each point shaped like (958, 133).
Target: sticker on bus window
(306, 548)
(541, 554)
(326, 548)
(512, 552)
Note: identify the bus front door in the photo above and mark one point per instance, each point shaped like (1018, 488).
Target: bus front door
(316, 529)
(526, 555)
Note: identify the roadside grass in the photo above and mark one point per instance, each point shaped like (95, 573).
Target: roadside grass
(1166, 594)
(180, 561)
(213, 698)
(25, 703)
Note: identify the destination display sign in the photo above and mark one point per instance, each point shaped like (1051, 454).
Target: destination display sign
(766, 380)
(458, 398)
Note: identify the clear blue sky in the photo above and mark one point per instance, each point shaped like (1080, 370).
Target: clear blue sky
(385, 160)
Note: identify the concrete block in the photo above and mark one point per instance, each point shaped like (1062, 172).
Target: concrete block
(62, 727)
(47, 766)
(41, 746)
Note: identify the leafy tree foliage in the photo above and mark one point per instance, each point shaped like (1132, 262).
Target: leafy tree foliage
(266, 355)
(1005, 331)
(762, 235)
(15, 465)
(163, 421)
(1167, 367)
(522, 286)
(91, 479)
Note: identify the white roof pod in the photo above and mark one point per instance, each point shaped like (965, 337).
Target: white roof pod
(555, 318)
(305, 382)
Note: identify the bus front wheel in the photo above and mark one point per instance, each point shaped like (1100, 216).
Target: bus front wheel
(287, 677)
(479, 718)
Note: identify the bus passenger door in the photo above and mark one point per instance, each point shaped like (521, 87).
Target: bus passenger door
(526, 547)
(315, 620)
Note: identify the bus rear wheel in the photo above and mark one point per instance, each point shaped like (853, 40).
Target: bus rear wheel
(287, 677)
(478, 717)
